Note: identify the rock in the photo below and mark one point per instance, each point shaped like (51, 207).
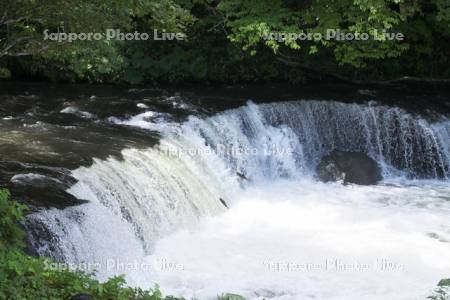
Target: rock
(43, 196)
(38, 186)
(348, 167)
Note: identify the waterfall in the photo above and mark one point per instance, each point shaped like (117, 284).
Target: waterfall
(395, 138)
(149, 193)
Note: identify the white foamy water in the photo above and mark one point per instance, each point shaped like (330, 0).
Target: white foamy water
(155, 215)
(76, 111)
(302, 240)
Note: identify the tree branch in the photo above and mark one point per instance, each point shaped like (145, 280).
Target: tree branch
(29, 41)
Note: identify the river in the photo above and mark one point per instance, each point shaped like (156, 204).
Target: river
(207, 191)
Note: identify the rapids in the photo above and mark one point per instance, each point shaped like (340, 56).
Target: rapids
(155, 215)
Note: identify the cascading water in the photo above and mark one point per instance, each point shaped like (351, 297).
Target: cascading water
(161, 206)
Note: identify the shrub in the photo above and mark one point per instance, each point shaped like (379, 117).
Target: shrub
(26, 277)
(11, 234)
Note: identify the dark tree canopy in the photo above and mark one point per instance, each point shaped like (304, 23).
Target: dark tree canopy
(227, 41)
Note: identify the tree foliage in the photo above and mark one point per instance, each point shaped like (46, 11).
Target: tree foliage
(226, 39)
(11, 235)
(420, 23)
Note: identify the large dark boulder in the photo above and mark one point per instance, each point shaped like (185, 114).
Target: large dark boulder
(348, 167)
